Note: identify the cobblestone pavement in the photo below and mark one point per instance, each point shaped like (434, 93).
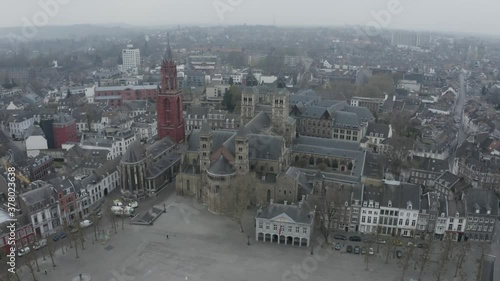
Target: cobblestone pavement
(204, 246)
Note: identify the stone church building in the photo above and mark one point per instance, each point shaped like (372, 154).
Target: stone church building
(259, 147)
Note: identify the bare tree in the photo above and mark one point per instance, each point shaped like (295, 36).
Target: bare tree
(28, 261)
(425, 256)
(463, 249)
(407, 259)
(390, 247)
(237, 197)
(81, 236)
(51, 250)
(480, 261)
(95, 222)
(329, 207)
(112, 217)
(444, 257)
(397, 155)
(367, 246)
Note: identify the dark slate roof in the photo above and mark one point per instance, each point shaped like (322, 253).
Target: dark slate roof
(447, 179)
(221, 167)
(159, 146)
(242, 132)
(205, 128)
(37, 195)
(377, 128)
(303, 214)
(429, 164)
(482, 198)
(299, 98)
(314, 112)
(158, 168)
(456, 207)
(263, 108)
(61, 184)
(363, 113)
(63, 118)
(308, 92)
(251, 90)
(324, 142)
(374, 165)
(372, 193)
(347, 119)
(198, 110)
(135, 153)
(401, 194)
(265, 147)
(300, 178)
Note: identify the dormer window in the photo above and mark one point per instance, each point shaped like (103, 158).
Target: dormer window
(389, 204)
(376, 205)
(457, 214)
(346, 204)
(488, 212)
(477, 211)
(365, 204)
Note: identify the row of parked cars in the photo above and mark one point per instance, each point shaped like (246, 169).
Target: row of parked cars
(36, 246)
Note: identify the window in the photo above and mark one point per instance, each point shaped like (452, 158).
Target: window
(289, 229)
(261, 225)
(275, 227)
(363, 219)
(267, 226)
(304, 230)
(297, 229)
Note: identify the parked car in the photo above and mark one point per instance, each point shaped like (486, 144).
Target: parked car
(399, 254)
(85, 223)
(349, 248)
(382, 241)
(423, 246)
(40, 244)
(58, 236)
(339, 237)
(355, 238)
(357, 250)
(410, 244)
(133, 204)
(99, 215)
(337, 246)
(363, 251)
(23, 251)
(370, 251)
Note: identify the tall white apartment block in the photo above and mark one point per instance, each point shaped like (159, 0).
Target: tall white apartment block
(131, 58)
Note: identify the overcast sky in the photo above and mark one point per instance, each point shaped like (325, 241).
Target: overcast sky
(442, 15)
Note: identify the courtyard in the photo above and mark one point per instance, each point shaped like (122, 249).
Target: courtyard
(204, 246)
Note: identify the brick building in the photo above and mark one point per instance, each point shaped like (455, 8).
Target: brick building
(115, 95)
(64, 129)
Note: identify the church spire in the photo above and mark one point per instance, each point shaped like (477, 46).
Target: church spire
(168, 52)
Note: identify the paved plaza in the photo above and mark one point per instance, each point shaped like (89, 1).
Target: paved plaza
(204, 246)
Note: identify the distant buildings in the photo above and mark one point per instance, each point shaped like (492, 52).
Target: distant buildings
(115, 95)
(131, 59)
(410, 38)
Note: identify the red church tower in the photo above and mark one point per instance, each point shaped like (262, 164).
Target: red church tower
(169, 102)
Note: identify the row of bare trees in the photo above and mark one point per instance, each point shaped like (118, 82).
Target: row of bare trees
(75, 239)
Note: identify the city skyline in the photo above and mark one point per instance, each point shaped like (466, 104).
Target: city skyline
(386, 14)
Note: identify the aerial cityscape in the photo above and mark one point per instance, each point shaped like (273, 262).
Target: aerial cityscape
(234, 140)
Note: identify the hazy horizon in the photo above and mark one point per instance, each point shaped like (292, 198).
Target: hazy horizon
(423, 15)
